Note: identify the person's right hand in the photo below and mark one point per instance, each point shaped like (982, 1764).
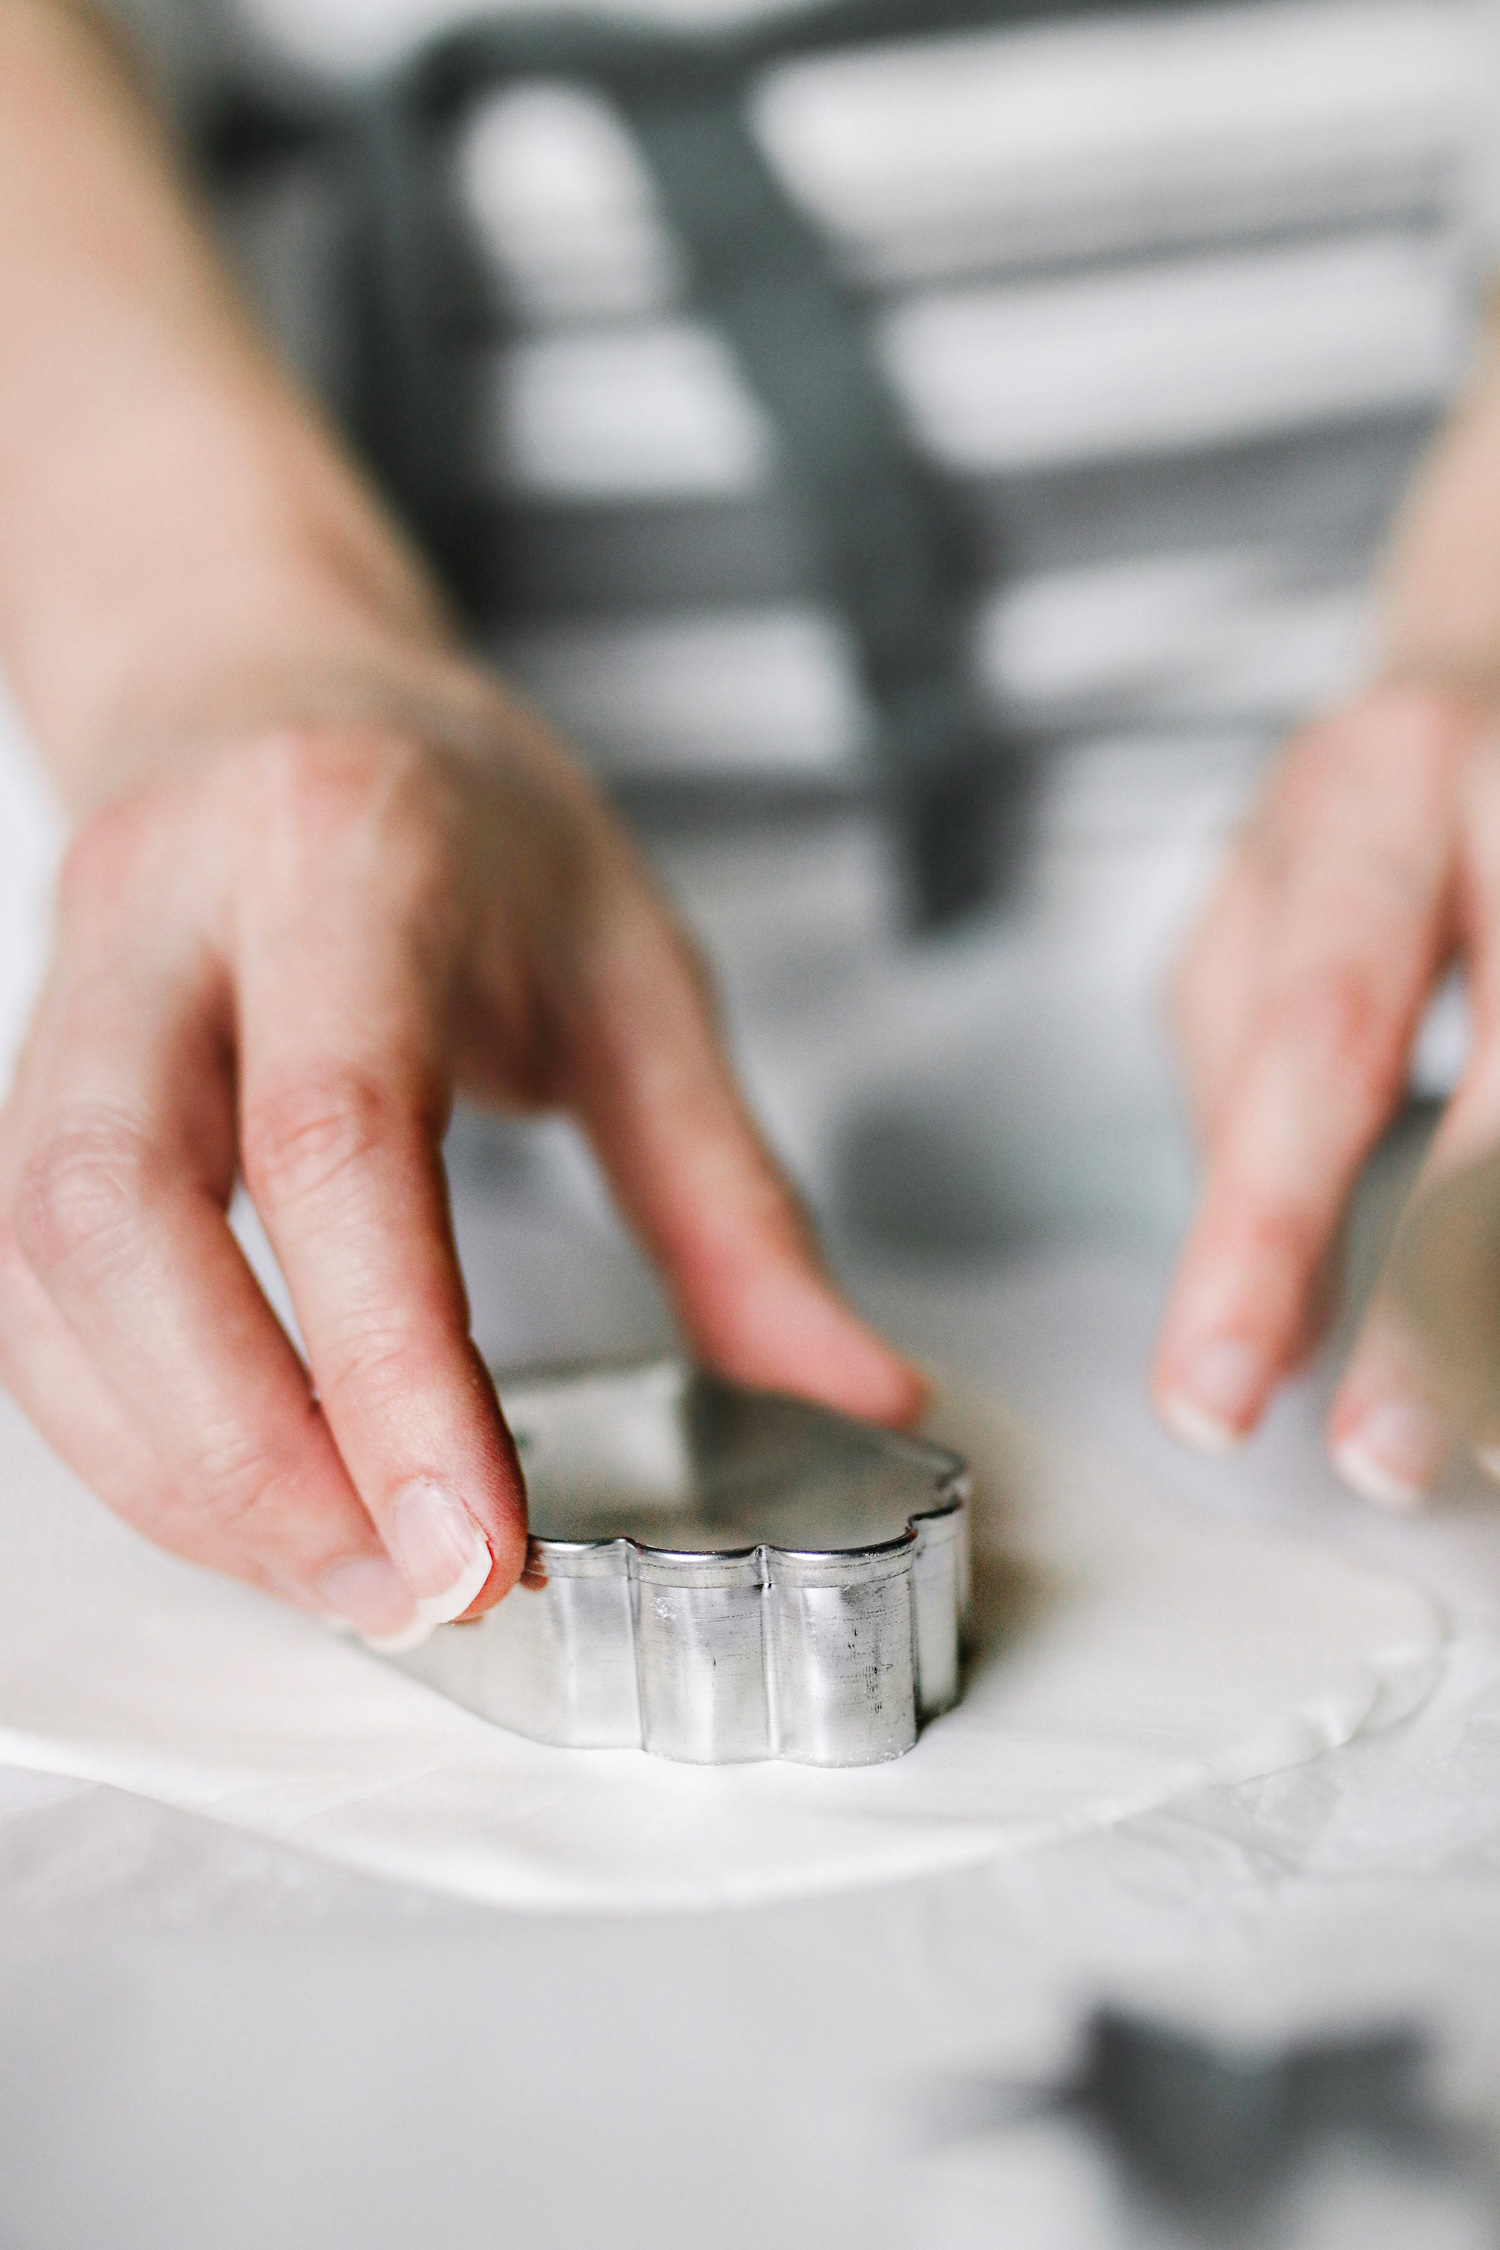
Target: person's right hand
(282, 959)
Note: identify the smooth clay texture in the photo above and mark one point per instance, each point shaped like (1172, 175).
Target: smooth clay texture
(1127, 1650)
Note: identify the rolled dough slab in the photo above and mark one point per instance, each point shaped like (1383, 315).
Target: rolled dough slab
(1128, 1651)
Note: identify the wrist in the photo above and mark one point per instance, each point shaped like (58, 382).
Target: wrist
(151, 633)
(167, 720)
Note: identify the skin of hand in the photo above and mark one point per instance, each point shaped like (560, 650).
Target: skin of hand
(1371, 866)
(325, 874)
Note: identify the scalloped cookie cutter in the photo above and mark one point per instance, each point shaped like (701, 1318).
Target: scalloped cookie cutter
(717, 1575)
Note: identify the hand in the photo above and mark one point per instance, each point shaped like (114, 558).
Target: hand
(282, 960)
(1373, 863)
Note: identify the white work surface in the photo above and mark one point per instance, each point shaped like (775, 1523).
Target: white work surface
(212, 2039)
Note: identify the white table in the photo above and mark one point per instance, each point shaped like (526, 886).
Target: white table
(210, 2040)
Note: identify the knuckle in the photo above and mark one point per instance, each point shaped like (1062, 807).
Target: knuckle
(305, 1137)
(81, 1193)
(102, 859)
(1285, 1234)
(230, 1517)
(383, 1365)
(1341, 1016)
(1271, 1247)
(245, 1482)
(1401, 746)
(328, 789)
(232, 1481)
(1266, 1241)
(304, 765)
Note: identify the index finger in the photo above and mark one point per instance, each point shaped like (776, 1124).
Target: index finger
(343, 1102)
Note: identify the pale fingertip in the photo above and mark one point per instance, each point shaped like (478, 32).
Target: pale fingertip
(789, 1330)
(1373, 1481)
(1214, 1395)
(442, 1609)
(1488, 1458)
(1393, 1454)
(1186, 1421)
(918, 1395)
(899, 1396)
(444, 1556)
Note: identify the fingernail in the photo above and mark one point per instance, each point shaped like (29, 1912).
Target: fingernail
(1393, 1455)
(1216, 1393)
(369, 1594)
(443, 1554)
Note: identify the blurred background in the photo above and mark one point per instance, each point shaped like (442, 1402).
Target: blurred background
(924, 455)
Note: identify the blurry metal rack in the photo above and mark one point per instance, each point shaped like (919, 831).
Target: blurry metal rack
(884, 535)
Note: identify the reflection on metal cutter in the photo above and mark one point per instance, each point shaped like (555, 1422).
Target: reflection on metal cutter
(717, 1575)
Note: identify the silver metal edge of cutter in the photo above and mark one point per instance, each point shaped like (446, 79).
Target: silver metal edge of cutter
(829, 1657)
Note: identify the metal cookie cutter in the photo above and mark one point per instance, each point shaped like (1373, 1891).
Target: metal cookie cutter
(717, 1575)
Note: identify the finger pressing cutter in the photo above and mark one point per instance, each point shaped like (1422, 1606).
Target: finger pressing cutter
(717, 1575)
